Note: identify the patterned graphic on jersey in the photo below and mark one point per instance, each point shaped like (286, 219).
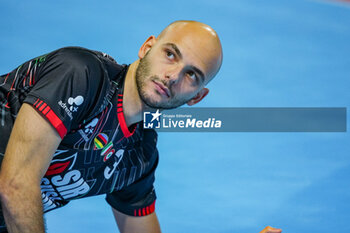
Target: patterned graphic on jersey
(110, 170)
(20, 79)
(100, 141)
(61, 182)
(88, 129)
(93, 129)
(107, 151)
(27, 76)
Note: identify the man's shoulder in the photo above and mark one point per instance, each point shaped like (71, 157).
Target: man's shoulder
(76, 56)
(77, 53)
(85, 61)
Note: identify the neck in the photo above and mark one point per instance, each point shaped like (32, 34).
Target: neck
(132, 103)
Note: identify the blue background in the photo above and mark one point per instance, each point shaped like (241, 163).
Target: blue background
(277, 53)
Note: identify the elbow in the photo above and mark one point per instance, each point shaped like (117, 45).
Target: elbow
(3, 195)
(9, 197)
(9, 189)
(5, 190)
(16, 187)
(2, 187)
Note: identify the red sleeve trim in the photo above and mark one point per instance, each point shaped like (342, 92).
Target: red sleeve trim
(121, 120)
(55, 121)
(145, 210)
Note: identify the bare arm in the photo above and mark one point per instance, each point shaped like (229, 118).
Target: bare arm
(130, 224)
(28, 154)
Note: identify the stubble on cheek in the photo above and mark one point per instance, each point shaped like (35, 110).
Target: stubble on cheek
(149, 94)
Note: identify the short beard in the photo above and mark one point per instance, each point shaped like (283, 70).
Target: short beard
(142, 72)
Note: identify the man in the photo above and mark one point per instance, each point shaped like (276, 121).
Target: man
(71, 125)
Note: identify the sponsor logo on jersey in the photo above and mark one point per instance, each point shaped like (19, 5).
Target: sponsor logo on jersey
(88, 130)
(100, 141)
(107, 151)
(72, 105)
(61, 182)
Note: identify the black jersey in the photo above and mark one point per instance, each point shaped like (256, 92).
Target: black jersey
(80, 92)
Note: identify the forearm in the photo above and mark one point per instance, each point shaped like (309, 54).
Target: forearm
(129, 224)
(22, 211)
(22, 169)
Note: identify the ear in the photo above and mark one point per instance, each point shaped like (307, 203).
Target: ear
(146, 46)
(200, 95)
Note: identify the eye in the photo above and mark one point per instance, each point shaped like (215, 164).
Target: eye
(192, 75)
(170, 55)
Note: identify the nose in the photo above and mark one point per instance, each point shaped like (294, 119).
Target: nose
(170, 79)
(173, 75)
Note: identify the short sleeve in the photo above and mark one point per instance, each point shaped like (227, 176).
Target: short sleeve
(67, 87)
(138, 199)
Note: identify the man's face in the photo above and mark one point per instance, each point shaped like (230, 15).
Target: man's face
(174, 71)
(160, 91)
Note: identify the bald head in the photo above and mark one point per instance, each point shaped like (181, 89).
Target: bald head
(199, 39)
(174, 68)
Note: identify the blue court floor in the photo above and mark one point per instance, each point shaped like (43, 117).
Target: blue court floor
(277, 53)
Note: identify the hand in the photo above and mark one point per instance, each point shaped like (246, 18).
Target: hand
(269, 229)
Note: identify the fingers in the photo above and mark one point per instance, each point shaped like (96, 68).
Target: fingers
(269, 229)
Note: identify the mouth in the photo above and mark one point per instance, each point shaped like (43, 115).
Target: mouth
(162, 89)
